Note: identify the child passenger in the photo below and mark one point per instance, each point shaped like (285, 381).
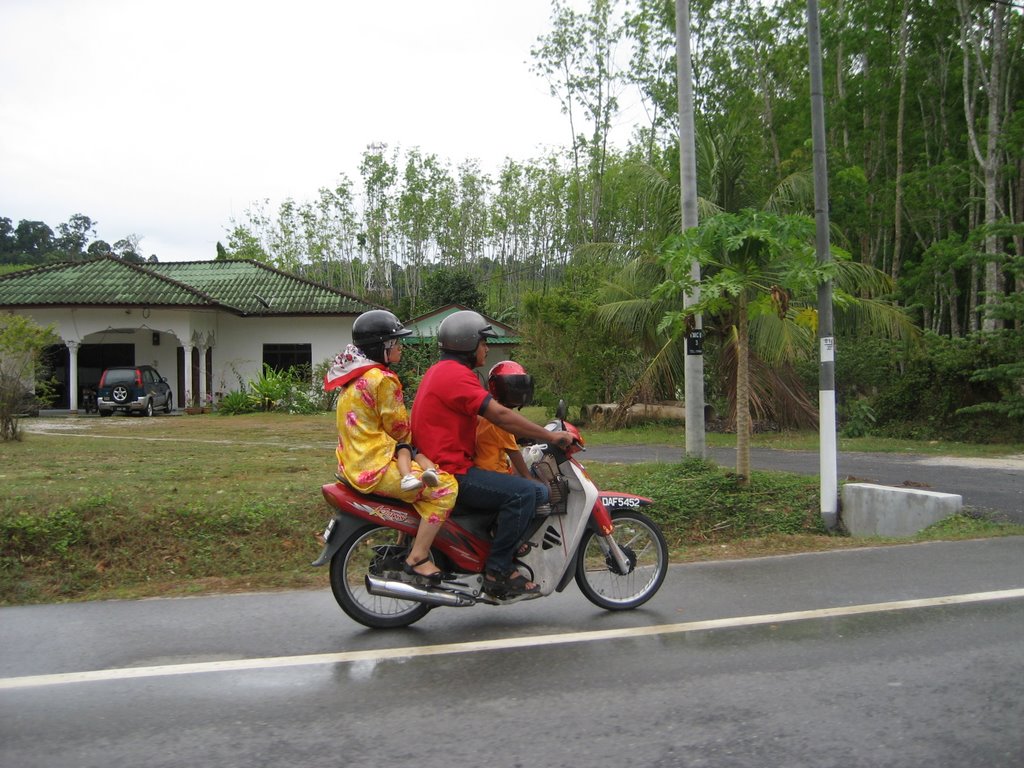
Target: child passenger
(497, 449)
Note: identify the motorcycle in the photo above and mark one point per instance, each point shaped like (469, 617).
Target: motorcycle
(616, 553)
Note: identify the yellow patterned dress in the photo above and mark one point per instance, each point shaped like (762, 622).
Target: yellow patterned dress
(372, 420)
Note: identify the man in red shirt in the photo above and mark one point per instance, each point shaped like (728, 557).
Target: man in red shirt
(444, 418)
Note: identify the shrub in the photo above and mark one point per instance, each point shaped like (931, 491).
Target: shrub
(21, 344)
(938, 392)
(236, 402)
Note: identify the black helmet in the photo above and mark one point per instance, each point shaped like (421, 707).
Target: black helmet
(461, 331)
(510, 384)
(372, 329)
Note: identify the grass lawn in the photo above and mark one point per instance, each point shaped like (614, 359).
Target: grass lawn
(131, 507)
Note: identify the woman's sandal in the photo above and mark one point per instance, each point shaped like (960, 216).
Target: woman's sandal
(433, 579)
(512, 584)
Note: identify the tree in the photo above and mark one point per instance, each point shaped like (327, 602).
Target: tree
(74, 235)
(379, 173)
(577, 59)
(450, 286)
(1008, 377)
(760, 271)
(127, 249)
(990, 157)
(21, 344)
(99, 248)
(34, 241)
(243, 244)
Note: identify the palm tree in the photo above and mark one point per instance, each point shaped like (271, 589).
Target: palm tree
(760, 278)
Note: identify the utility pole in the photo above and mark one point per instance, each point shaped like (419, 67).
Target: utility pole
(693, 370)
(826, 341)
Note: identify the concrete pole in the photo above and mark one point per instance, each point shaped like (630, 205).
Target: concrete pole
(693, 370)
(826, 341)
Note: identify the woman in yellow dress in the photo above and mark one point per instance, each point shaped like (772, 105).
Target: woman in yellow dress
(373, 430)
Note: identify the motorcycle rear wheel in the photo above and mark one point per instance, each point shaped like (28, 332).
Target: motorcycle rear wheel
(598, 575)
(362, 553)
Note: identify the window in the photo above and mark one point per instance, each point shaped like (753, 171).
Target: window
(281, 357)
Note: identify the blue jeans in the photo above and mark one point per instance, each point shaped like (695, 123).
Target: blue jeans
(515, 499)
(543, 493)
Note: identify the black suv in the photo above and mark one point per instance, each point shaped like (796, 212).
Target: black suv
(136, 389)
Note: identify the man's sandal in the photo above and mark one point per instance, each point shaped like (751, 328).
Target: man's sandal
(433, 579)
(512, 584)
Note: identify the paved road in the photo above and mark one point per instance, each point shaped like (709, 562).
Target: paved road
(901, 657)
(986, 485)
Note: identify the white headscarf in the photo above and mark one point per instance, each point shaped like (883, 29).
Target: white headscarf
(348, 364)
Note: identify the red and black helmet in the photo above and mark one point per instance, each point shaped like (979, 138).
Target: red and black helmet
(510, 384)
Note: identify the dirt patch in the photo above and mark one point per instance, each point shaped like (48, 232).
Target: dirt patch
(1015, 462)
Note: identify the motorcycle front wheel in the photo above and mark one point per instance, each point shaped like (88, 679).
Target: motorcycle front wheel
(366, 551)
(601, 579)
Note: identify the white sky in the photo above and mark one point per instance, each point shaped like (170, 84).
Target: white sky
(164, 120)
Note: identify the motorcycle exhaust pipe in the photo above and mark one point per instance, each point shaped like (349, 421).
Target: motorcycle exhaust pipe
(403, 591)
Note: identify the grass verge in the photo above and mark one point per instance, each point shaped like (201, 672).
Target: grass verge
(129, 507)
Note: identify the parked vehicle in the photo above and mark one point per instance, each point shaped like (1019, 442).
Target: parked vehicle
(616, 553)
(133, 389)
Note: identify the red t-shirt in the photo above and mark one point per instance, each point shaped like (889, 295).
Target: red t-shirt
(444, 413)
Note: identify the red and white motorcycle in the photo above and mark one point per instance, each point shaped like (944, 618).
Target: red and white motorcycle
(617, 554)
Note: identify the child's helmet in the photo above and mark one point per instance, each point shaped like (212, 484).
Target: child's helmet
(510, 384)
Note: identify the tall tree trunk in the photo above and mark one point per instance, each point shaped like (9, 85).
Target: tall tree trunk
(897, 245)
(954, 306)
(1018, 240)
(841, 89)
(992, 82)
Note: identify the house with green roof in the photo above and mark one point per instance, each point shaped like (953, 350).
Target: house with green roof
(206, 326)
(424, 328)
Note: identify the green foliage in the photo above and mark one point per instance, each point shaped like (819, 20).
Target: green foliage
(450, 286)
(940, 393)
(1007, 377)
(857, 419)
(291, 391)
(236, 402)
(243, 244)
(271, 388)
(697, 501)
(417, 356)
(21, 345)
(233, 504)
(569, 354)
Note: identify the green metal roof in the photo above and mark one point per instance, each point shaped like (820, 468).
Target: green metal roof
(424, 327)
(96, 282)
(241, 287)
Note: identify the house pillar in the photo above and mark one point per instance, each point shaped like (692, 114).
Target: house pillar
(202, 375)
(73, 375)
(190, 395)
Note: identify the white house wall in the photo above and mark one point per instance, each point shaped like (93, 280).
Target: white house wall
(236, 342)
(238, 347)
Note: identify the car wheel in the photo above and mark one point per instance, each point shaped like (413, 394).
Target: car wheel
(169, 405)
(149, 407)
